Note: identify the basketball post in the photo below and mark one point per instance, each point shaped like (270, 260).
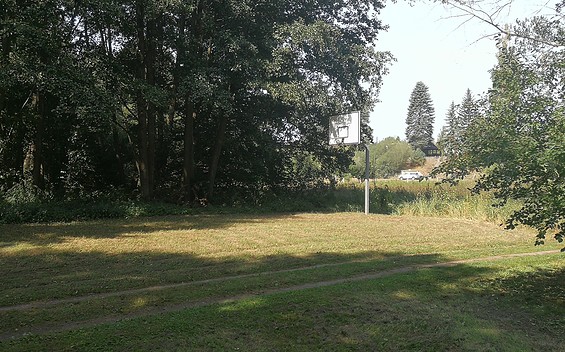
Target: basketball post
(367, 172)
(346, 130)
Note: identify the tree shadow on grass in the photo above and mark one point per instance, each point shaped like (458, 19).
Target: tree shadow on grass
(59, 274)
(45, 234)
(429, 310)
(437, 309)
(282, 302)
(43, 291)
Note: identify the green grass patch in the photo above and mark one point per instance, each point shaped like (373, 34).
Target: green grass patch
(462, 308)
(169, 276)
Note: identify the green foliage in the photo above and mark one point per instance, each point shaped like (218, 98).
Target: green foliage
(387, 159)
(220, 97)
(25, 192)
(423, 198)
(68, 211)
(420, 117)
(519, 144)
(306, 169)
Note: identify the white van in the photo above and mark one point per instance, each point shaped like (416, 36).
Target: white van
(410, 175)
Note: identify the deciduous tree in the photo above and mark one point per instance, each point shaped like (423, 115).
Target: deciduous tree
(387, 159)
(519, 143)
(187, 98)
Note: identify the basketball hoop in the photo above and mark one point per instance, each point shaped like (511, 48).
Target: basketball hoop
(345, 129)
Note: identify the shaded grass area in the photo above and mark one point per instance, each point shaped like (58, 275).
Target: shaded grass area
(190, 293)
(206, 258)
(465, 308)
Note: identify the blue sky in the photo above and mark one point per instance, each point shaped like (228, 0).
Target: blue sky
(432, 46)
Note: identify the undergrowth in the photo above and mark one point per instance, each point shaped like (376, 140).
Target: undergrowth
(387, 197)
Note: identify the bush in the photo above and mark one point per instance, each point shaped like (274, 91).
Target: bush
(387, 197)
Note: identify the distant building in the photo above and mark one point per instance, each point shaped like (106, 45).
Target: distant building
(431, 150)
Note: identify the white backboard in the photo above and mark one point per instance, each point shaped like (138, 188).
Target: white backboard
(345, 129)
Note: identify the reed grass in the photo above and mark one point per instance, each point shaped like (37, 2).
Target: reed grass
(425, 198)
(393, 197)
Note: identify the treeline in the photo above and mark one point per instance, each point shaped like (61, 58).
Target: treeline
(387, 159)
(179, 100)
(514, 137)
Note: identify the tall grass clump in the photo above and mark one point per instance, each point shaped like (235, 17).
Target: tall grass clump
(425, 198)
(25, 204)
(430, 199)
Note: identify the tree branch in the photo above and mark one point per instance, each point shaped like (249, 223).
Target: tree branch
(473, 11)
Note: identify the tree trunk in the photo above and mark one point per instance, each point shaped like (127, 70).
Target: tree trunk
(142, 151)
(5, 52)
(37, 144)
(218, 146)
(145, 110)
(151, 60)
(188, 157)
(215, 160)
(194, 54)
(181, 54)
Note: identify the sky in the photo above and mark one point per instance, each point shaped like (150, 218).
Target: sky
(446, 54)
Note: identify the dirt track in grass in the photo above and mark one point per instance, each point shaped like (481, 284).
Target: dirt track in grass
(48, 329)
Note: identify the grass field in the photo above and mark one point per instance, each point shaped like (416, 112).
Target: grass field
(287, 282)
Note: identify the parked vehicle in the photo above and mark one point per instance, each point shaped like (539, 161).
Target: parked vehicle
(410, 175)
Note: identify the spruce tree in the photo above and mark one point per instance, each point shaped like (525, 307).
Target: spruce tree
(450, 130)
(468, 111)
(441, 141)
(458, 119)
(420, 117)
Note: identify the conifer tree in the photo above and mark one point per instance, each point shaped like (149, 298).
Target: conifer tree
(468, 110)
(458, 118)
(420, 117)
(441, 141)
(450, 129)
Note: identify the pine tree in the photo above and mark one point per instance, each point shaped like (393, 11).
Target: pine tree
(420, 117)
(468, 110)
(458, 119)
(450, 130)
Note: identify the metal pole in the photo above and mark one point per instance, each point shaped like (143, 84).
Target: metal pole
(366, 179)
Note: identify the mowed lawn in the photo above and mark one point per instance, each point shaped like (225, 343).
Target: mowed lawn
(292, 282)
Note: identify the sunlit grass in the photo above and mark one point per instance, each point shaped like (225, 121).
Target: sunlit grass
(194, 263)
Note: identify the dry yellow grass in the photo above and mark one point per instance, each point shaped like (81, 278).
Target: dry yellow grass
(59, 277)
(221, 236)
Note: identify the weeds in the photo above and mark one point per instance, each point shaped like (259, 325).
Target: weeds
(395, 197)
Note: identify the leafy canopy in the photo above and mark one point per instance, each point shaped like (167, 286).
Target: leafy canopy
(519, 143)
(387, 159)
